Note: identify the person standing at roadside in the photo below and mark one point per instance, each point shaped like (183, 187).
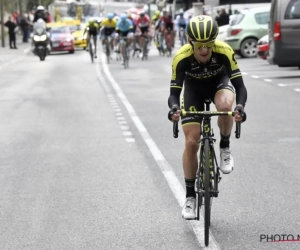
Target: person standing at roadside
(11, 33)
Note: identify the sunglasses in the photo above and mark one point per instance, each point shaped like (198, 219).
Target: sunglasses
(201, 45)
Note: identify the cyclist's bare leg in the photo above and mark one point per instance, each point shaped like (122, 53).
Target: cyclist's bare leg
(142, 41)
(95, 44)
(190, 158)
(224, 101)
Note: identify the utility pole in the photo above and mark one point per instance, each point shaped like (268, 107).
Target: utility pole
(174, 9)
(2, 23)
(21, 9)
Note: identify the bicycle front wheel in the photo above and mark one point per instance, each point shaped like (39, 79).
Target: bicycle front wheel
(207, 198)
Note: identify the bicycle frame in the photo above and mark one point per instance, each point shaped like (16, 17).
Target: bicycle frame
(208, 173)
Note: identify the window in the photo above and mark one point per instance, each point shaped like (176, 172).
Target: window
(237, 19)
(262, 18)
(293, 10)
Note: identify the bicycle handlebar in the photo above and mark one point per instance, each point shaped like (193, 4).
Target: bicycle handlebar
(207, 114)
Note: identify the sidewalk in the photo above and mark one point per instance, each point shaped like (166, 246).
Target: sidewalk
(7, 54)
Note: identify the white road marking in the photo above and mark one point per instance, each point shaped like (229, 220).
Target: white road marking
(255, 77)
(267, 80)
(120, 118)
(165, 167)
(281, 85)
(130, 139)
(244, 73)
(122, 122)
(127, 133)
(118, 114)
(124, 127)
(117, 110)
(298, 90)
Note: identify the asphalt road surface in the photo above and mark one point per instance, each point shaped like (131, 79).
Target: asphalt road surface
(88, 160)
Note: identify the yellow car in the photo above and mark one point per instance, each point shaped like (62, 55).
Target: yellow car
(80, 40)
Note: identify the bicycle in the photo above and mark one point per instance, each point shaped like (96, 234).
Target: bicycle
(124, 44)
(207, 188)
(169, 42)
(92, 48)
(107, 42)
(182, 36)
(145, 49)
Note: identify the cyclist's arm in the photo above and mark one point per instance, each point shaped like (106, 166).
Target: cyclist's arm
(178, 75)
(85, 30)
(235, 76)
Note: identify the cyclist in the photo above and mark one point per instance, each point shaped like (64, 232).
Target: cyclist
(143, 25)
(181, 24)
(155, 18)
(124, 29)
(168, 26)
(205, 65)
(108, 27)
(92, 28)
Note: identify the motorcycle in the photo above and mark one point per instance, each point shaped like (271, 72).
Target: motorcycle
(40, 40)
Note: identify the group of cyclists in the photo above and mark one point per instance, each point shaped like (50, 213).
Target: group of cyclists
(136, 29)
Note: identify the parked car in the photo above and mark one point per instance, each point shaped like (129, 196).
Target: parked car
(263, 47)
(246, 29)
(222, 33)
(284, 33)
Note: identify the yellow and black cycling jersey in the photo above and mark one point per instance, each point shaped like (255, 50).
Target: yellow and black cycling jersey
(92, 28)
(154, 18)
(185, 68)
(108, 23)
(222, 61)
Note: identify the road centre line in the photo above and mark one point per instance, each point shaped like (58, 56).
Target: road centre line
(267, 80)
(256, 77)
(164, 166)
(298, 90)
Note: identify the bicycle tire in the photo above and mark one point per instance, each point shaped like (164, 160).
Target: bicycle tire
(91, 52)
(199, 184)
(207, 197)
(107, 51)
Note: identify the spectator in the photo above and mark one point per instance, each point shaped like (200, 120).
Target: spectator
(11, 33)
(25, 27)
(222, 18)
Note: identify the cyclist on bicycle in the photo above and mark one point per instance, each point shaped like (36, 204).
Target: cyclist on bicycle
(181, 27)
(108, 27)
(168, 27)
(124, 28)
(205, 65)
(92, 28)
(143, 25)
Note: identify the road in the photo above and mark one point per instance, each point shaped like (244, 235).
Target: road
(88, 160)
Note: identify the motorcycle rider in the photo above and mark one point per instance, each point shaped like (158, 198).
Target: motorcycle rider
(40, 13)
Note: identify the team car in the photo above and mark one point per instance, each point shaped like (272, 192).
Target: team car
(61, 38)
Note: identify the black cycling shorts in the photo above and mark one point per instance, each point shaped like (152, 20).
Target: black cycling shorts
(108, 31)
(194, 97)
(93, 33)
(144, 29)
(124, 33)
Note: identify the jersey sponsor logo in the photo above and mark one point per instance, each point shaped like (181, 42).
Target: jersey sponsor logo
(205, 74)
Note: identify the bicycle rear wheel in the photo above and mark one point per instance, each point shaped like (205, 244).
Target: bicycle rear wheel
(91, 52)
(107, 50)
(207, 198)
